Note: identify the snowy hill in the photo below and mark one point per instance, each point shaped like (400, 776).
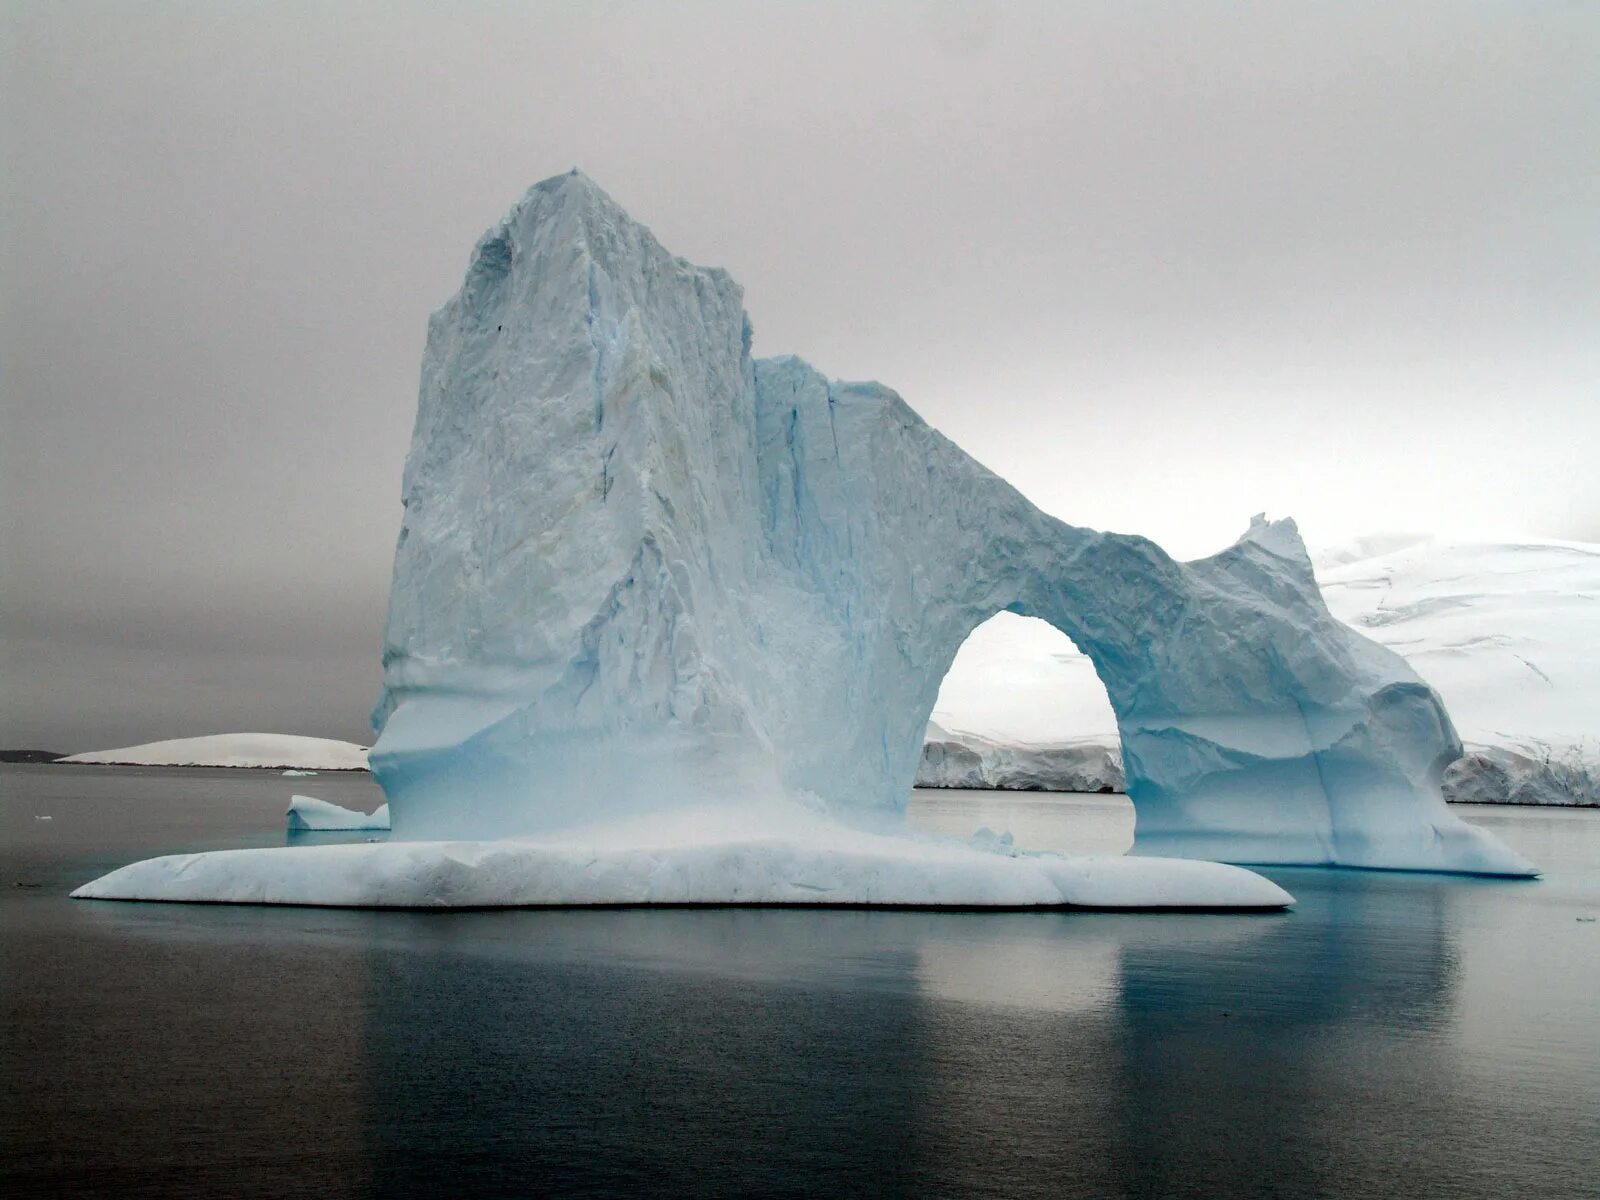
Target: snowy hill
(1508, 633)
(236, 750)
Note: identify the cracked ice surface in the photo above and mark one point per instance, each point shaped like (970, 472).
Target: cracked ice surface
(642, 573)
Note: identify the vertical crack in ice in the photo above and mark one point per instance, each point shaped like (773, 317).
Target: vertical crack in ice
(596, 341)
(796, 485)
(1323, 830)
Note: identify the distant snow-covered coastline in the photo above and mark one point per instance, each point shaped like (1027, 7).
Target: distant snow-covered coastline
(1508, 633)
(277, 751)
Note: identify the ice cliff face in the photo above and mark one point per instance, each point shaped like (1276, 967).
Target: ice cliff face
(639, 570)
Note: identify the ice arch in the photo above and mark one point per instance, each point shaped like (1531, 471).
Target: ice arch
(640, 569)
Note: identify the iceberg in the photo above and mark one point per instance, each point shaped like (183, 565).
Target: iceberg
(307, 814)
(643, 574)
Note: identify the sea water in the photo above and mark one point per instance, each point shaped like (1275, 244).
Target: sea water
(1395, 1035)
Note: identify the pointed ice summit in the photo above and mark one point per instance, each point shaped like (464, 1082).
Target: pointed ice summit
(672, 620)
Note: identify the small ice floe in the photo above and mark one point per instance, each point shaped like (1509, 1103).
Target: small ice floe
(308, 814)
(292, 771)
(44, 818)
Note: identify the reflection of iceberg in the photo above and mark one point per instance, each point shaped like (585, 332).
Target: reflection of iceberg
(307, 813)
(1350, 1002)
(927, 1047)
(674, 619)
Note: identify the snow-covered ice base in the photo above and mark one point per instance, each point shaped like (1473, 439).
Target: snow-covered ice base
(673, 859)
(642, 572)
(307, 814)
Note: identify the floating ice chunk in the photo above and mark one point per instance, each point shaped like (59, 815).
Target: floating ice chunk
(307, 813)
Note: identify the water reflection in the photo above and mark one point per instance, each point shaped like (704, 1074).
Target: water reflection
(887, 1052)
(753, 1053)
(1290, 1065)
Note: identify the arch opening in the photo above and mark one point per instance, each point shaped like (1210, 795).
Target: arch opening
(1023, 729)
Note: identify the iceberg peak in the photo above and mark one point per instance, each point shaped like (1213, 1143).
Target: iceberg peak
(1280, 537)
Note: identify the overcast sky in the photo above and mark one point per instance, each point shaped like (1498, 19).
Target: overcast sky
(1161, 266)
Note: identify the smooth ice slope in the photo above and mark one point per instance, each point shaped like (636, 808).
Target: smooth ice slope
(308, 814)
(642, 573)
(236, 750)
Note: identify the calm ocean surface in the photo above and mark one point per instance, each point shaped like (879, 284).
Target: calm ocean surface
(1394, 1036)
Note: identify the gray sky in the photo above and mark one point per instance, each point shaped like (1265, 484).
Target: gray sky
(1163, 266)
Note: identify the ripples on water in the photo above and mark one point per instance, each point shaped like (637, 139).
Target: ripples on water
(1396, 1035)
